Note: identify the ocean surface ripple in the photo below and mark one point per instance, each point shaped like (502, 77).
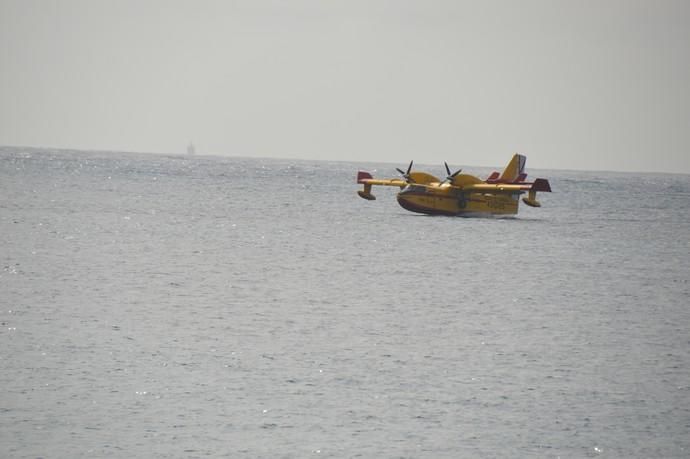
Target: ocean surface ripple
(177, 306)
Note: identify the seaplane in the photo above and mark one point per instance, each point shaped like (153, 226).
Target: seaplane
(461, 194)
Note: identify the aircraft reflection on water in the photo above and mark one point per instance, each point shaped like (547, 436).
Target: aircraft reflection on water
(461, 194)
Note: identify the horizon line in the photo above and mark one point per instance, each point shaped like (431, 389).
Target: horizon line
(81, 150)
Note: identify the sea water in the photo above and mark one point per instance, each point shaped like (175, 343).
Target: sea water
(177, 306)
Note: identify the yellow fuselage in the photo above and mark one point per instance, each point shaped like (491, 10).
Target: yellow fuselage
(447, 200)
(459, 194)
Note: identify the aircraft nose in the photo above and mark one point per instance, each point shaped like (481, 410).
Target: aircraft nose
(405, 202)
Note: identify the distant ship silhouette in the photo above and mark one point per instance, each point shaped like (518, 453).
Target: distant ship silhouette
(190, 149)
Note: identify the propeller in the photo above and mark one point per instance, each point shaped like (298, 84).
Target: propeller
(406, 175)
(450, 177)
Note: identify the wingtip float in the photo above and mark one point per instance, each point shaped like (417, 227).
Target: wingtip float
(461, 194)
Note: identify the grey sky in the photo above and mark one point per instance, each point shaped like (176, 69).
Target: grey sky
(571, 84)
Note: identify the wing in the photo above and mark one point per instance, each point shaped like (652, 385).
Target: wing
(531, 188)
(366, 179)
(417, 178)
(538, 185)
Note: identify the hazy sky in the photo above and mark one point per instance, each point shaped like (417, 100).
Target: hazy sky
(571, 84)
